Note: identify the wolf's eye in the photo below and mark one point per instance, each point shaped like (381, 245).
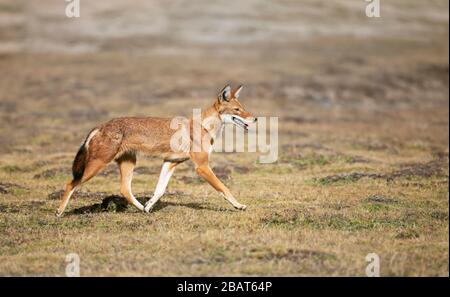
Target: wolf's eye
(237, 109)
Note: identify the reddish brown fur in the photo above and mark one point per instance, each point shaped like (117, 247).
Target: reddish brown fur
(120, 138)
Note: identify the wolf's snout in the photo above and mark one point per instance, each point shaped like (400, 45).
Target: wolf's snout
(251, 120)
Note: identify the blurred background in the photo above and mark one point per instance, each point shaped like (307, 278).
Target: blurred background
(310, 62)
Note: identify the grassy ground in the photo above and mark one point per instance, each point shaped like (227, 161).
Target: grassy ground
(363, 128)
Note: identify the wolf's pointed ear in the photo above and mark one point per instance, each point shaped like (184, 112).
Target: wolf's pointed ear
(225, 94)
(237, 92)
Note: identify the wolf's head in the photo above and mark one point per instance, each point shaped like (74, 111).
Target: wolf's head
(231, 110)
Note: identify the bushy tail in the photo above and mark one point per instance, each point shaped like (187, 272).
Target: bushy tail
(79, 163)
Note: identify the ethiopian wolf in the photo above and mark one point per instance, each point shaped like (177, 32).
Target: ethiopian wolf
(121, 139)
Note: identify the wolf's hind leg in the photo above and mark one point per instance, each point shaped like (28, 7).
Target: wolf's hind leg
(126, 165)
(68, 191)
(93, 167)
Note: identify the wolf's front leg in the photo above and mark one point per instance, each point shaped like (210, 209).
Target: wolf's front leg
(166, 172)
(211, 178)
(203, 169)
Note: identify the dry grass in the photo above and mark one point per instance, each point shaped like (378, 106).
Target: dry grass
(363, 163)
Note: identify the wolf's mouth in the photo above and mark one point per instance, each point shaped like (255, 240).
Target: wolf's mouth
(239, 122)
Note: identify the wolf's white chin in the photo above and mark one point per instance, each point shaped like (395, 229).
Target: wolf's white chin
(236, 120)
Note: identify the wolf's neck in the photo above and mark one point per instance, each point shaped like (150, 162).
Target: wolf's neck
(210, 112)
(212, 123)
(217, 125)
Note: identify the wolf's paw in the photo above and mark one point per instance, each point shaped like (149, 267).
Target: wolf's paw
(241, 207)
(148, 208)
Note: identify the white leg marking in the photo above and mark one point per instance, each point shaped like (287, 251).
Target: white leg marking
(59, 213)
(127, 191)
(137, 203)
(234, 202)
(164, 177)
(134, 201)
